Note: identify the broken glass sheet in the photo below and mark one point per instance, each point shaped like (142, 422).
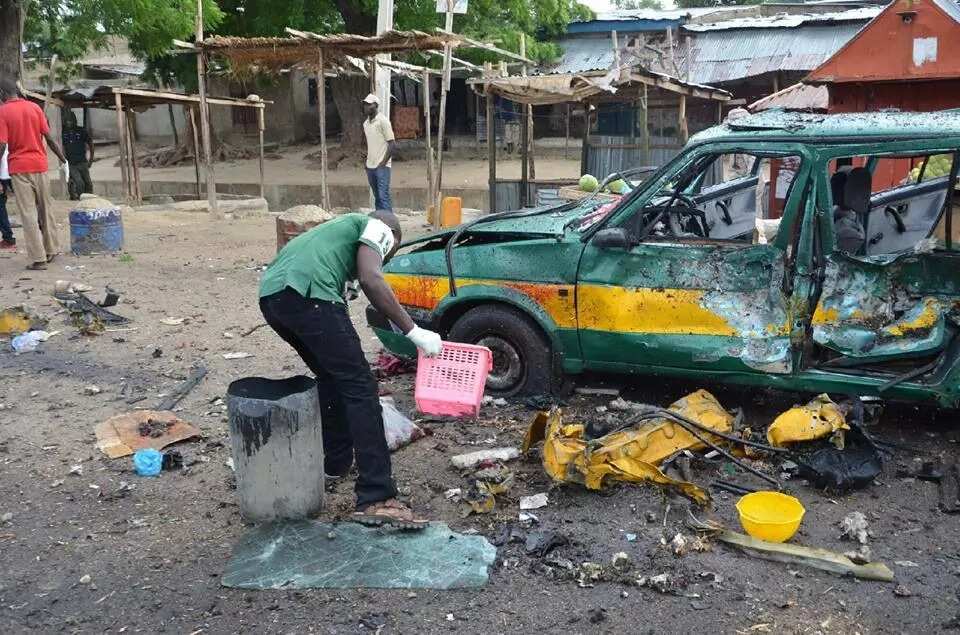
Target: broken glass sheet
(310, 555)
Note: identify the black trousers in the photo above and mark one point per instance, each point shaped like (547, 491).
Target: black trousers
(324, 337)
(6, 186)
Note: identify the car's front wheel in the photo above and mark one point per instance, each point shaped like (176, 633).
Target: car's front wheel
(522, 359)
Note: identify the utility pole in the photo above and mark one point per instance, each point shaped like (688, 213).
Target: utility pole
(384, 24)
(442, 121)
(205, 118)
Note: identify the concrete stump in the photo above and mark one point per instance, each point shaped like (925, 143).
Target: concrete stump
(277, 445)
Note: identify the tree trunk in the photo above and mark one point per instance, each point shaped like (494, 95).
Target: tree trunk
(348, 92)
(9, 38)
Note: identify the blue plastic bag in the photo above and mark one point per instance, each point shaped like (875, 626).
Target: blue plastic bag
(148, 462)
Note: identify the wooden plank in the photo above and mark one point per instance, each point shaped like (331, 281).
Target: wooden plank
(195, 144)
(162, 96)
(485, 46)
(205, 119)
(492, 152)
(428, 135)
(682, 120)
(441, 124)
(121, 145)
(528, 110)
(132, 153)
(173, 124)
(260, 128)
(322, 123)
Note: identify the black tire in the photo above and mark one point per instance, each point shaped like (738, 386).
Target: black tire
(522, 356)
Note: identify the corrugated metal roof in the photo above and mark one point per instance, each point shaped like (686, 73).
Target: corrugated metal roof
(796, 97)
(580, 54)
(950, 7)
(786, 21)
(658, 14)
(720, 56)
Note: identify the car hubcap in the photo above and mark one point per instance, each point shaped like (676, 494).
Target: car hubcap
(507, 365)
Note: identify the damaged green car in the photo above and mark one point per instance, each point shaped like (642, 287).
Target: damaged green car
(796, 251)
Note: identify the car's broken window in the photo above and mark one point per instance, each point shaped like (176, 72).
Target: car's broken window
(724, 196)
(888, 204)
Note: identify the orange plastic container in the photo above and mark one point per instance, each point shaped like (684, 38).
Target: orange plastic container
(451, 211)
(452, 383)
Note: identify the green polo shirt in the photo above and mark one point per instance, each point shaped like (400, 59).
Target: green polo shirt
(320, 263)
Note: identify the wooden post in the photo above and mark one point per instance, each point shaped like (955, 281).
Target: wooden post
(173, 125)
(322, 123)
(682, 120)
(566, 137)
(428, 135)
(585, 147)
(442, 120)
(524, 158)
(205, 118)
(688, 61)
(121, 144)
(617, 63)
(261, 125)
(195, 145)
(528, 111)
(491, 150)
(646, 128)
(132, 153)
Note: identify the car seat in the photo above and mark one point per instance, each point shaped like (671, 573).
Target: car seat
(851, 192)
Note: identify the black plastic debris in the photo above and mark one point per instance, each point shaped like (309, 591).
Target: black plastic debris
(540, 543)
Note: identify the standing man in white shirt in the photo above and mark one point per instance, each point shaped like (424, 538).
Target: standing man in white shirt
(8, 242)
(380, 148)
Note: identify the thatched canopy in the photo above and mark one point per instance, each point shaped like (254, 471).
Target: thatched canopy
(301, 49)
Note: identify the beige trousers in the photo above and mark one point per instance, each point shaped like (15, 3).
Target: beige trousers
(32, 193)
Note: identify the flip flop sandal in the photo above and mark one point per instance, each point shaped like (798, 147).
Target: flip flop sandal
(395, 515)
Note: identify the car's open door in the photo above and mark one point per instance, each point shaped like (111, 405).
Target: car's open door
(655, 290)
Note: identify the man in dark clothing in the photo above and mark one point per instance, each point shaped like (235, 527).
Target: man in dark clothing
(8, 242)
(303, 297)
(76, 143)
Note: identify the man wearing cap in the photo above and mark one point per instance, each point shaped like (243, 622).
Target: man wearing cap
(380, 147)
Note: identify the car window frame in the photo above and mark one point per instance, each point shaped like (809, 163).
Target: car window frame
(760, 149)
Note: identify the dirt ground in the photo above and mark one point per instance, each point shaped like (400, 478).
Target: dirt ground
(83, 553)
(459, 171)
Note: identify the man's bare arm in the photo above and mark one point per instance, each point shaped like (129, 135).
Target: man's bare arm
(378, 291)
(55, 147)
(391, 147)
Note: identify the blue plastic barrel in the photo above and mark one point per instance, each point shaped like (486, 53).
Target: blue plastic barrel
(96, 231)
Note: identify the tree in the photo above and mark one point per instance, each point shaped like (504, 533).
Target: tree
(638, 4)
(68, 28)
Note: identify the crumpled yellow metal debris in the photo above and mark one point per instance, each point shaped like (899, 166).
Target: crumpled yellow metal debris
(818, 419)
(630, 455)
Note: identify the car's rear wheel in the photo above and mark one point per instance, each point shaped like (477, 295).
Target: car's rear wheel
(522, 359)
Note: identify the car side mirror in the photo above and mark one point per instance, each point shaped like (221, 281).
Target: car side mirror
(613, 238)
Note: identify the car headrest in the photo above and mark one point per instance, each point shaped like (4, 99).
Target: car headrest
(856, 191)
(837, 182)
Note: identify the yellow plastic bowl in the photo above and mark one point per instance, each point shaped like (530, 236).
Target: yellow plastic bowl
(770, 516)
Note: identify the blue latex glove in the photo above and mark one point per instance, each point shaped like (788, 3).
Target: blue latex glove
(148, 462)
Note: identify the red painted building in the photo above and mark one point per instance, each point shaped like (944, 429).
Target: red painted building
(908, 58)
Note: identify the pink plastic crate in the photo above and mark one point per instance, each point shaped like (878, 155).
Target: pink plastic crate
(452, 383)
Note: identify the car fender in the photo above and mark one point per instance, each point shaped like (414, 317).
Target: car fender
(477, 294)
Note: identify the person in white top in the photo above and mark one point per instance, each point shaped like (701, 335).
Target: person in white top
(8, 242)
(380, 148)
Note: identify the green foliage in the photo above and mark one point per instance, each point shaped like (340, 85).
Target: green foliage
(68, 28)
